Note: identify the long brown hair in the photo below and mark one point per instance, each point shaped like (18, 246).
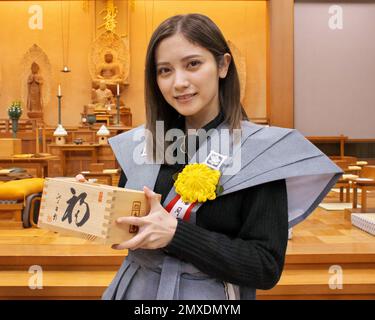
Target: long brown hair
(202, 31)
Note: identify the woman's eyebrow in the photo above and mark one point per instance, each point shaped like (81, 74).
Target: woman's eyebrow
(183, 59)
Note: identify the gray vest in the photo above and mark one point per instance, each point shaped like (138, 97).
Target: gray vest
(265, 154)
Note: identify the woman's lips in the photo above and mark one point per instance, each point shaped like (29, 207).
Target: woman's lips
(185, 97)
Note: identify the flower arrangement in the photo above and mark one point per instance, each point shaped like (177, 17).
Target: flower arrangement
(14, 113)
(15, 110)
(198, 182)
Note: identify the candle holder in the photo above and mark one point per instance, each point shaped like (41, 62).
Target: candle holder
(59, 108)
(118, 109)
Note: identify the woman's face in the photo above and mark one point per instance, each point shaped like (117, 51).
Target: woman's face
(188, 78)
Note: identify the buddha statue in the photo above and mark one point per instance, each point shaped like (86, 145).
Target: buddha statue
(102, 98)
(109, 71)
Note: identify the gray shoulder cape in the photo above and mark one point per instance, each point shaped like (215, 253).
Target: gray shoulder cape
(265, 154)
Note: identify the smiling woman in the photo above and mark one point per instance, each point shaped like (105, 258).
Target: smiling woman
(221, 229)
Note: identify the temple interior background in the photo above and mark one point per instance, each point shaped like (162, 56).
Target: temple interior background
(69, 36)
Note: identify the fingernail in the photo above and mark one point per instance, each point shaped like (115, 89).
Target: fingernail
(80, 178)
(150, 191)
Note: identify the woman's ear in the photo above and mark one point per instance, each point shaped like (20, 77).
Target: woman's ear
(224, 65)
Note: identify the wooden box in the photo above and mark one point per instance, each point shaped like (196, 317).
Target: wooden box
(89, 210)
(8, 147)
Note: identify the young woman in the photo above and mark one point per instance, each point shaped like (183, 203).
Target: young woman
(199, 242)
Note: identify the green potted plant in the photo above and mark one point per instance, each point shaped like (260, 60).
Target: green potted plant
(15, 112)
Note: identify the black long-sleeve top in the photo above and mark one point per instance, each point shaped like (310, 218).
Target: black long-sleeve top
(240, 237)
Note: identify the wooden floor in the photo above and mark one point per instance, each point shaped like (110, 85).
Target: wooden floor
(78, 269)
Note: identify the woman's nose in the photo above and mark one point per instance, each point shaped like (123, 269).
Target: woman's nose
(180, 81)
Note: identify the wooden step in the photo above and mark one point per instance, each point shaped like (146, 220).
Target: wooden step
(314, 283)
(63, 255)
(294, 284)
(55, 284)
(10, 224)
(46, 253)
(339, 253)
(35, 246)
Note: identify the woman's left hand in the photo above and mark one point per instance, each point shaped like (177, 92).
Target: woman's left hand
(156, 229)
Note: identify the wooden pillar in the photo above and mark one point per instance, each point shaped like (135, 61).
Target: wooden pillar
(280, 77)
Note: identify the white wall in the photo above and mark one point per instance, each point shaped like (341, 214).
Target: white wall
(335, 69)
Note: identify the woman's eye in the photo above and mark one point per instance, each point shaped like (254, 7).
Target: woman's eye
(194, 63)
(163, 70)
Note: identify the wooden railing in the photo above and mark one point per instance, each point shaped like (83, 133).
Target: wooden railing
(331, 139)
(23, 125)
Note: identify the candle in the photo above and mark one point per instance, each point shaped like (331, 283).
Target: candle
(59, 92)
(118, 89)
(37, 140)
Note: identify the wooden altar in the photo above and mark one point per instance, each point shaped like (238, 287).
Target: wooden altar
(90, 116)
(74, 158)
(36, 138)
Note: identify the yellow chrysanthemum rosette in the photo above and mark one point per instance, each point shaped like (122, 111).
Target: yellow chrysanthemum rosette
(197, 182)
